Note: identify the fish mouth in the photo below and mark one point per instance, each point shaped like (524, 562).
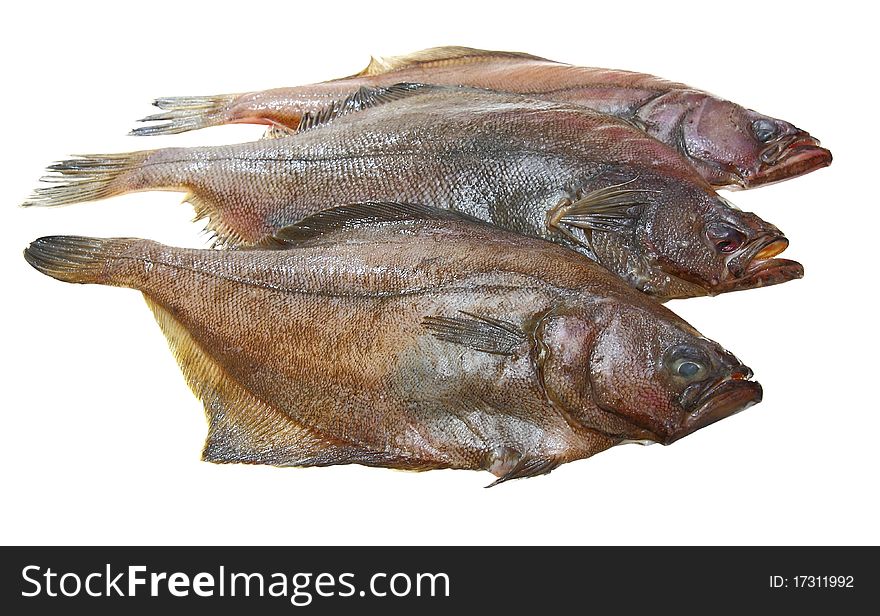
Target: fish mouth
(720, 400)
(757, 266)
(790, 156)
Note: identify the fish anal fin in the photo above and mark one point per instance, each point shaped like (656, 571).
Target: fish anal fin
(439, 56)
(479, 333)
(208, 207)
(278, 131)
(242, 428)
(364, 98)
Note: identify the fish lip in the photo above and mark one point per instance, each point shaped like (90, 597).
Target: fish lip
(760, 268)
(795, 155)
(720, 400)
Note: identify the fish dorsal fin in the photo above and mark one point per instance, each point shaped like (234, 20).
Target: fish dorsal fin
(439, 56)
(241, 427)
(480, 333)
(364, 98)
(366, 214)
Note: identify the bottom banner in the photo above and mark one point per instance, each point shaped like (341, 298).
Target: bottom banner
(276, 580)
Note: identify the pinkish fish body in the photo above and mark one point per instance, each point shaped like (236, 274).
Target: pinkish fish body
(730, 146)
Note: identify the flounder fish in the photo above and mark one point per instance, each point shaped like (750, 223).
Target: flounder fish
(414, 338)
(730, 146)
(551, 169)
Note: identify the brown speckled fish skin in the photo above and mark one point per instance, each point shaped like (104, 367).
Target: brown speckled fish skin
(340, 346)
(518, 163)
(731, 146)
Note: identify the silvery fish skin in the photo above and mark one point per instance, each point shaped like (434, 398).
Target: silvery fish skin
(406, 337)
(554, 170)
(731, 146)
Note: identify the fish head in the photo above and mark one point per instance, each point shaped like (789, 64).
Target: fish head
(689, 242)
(735, 147)
(640, 373)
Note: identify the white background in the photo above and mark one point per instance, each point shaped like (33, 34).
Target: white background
(101, 437)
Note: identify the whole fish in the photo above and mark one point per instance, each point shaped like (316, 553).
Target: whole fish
(408, 337)
(731, 146)
(554, 170)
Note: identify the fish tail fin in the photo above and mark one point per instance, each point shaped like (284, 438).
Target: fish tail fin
(73, 258)
(185, 113)
(100, 176)
(88, 178)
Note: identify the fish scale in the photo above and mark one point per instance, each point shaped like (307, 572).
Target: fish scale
(725, 142)
(500, 157)
(416, 338)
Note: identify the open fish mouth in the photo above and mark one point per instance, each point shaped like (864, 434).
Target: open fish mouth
(720, 400)
(757, 266)
(790, 156)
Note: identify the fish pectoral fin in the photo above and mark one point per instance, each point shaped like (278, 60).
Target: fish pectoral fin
(526, 466)
(367, 214)
(612, 208)
(364, 98)
(241, 427)
(439, 56)
(476, 332)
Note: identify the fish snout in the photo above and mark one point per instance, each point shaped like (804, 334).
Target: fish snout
(741, 373)
(756, 264)
(792, 155)
(766, 246)
(721, 398)
(728, 398)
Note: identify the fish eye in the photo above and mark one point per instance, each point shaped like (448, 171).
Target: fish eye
(764, 129)
(726, 238)
(687, 362)
(687, 369)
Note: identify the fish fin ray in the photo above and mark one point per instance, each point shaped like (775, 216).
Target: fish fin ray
(610, 208)
(480, 333)
(73, 258)
(86, 178)
(278, 131)
(369, 213)
(241, 427)
(222, 235)
(364, 98)
(93, 177)
(438, 56)
(528, 466)
(185, 113)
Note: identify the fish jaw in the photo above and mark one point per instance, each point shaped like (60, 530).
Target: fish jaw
(793, 156)
(758, 267)
(720, 400)
(766, 273)
(752, 267)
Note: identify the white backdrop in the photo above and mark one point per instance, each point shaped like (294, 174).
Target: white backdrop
(101, 437)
